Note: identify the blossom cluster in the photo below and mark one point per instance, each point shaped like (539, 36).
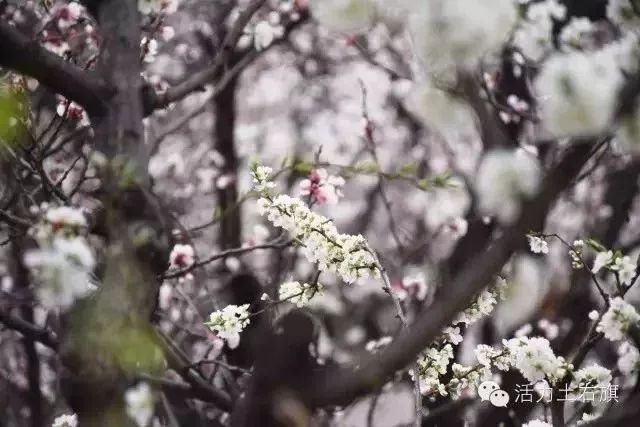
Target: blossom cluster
(434, 361)
(617, 320)
(344, 254)
(63, 262)
(431, 366)
(298, 293)
(537, 362)
(535, 359)
(534, 34)
(229, 322)
(537, 244)
(484, 304)
(621, 265)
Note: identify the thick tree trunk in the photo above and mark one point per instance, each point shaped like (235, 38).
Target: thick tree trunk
(108, 337)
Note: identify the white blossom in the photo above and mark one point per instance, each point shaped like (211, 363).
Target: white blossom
(616, 321)
(625, 268)
(263, 35)
(261, 178)
(623, 13)
(164, 296)
(65, 216)
(66, 420)
(592, 376)
(344, 254)
(464, 376)
(375, 345)
(538, 245)
(628, 358)
(534, 35)
(140, 404)
(453, 335)
(550, 329)
(151, 49)
(438, 109)
(603, 259)
(431, 365)
(484, 304)
(575, 34)
(503, 179)
(535, 359)
(489, 356)
(298, 293)
(167, 32)
(63, 269)
(578, 93)
(448, 206)
(447, 33)
(58, 221)
(148, 6)
(229, 322)
(587, 418)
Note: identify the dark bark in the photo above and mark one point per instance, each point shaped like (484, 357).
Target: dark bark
(24, 55)
(224, 143)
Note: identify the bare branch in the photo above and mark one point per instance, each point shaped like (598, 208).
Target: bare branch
(200, 79)
(30, 330)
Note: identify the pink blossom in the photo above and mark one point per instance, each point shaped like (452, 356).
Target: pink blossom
(413, 285)
(182, 256)
(321, 187)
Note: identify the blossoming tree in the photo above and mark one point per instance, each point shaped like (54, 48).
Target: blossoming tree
(319, 212)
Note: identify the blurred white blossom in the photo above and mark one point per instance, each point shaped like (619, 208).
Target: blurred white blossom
(503, 179)
(66, 421)
(140, 404)
(449, 33)
(578, 93)
(63, 270)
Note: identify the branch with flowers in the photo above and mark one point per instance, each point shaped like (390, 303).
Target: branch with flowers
(469, 221)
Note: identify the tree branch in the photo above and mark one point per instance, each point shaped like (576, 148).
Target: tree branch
(340, 386)
(207, 75)
(30, 330)
(24, 55)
